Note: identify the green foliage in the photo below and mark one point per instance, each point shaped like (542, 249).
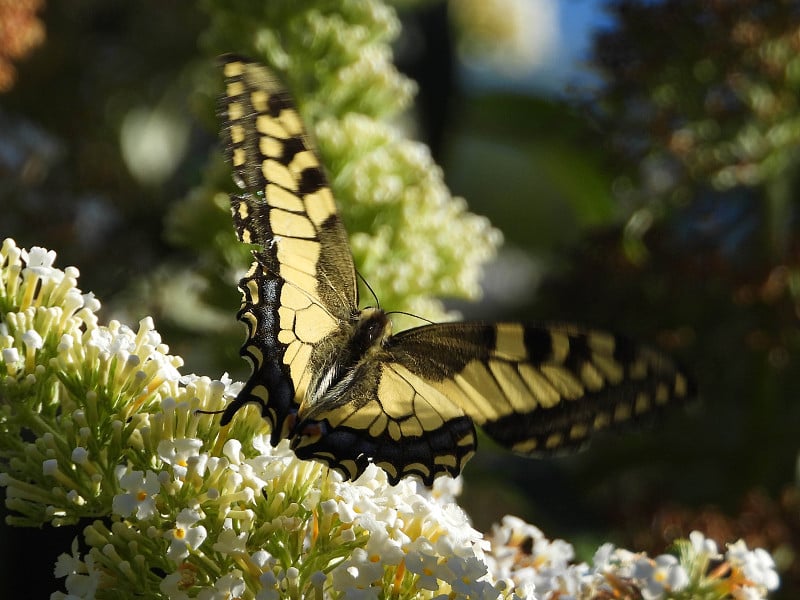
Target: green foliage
(718, 99)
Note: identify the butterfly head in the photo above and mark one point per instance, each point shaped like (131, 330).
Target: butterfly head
(372, 328)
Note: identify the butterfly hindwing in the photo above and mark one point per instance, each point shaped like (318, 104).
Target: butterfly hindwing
(302, 282)
(392, 417)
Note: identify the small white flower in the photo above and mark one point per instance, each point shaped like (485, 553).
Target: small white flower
(172, 586)
(91, 302)
(72, 302)
(318, 579)
(465, 574)
(423, 563)
(32, 339)
(603, 557)
(622, 562)
(111, 342)
(177, 453)
(445, 490)
(40, 260)
(67, 564)
(67, 343)
(186, 536)
(664, 574)
(82, 579)
(80, 455)
(10, 356)
(263, 559)
(573, 581)
(140, 488)
(175, 584)
(346, 512)
(167, 369)
(382, 548)
(348, 535)
(226, 587)
(555, 554)
(756, 565)
(358, 572)
(703, 545)
(328, 507)
(270, 589)
(233, 451)
(230, 542)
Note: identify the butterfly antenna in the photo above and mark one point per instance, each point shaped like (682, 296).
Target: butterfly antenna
(369, 287)
(412, 315)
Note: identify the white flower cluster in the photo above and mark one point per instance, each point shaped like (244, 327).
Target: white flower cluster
(79, 387)
(193, 512)
(537, 567)
(280, 527)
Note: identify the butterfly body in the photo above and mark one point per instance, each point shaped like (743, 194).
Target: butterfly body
(336, 382)
(345, 362)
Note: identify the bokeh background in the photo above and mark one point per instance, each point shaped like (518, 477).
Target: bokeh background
(640, 158)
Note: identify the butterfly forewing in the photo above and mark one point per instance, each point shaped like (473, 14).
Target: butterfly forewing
(301, 285)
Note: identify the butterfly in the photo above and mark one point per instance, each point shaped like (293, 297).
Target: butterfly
(335, 381)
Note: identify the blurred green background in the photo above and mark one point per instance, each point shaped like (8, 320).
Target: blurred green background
(652, 192)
